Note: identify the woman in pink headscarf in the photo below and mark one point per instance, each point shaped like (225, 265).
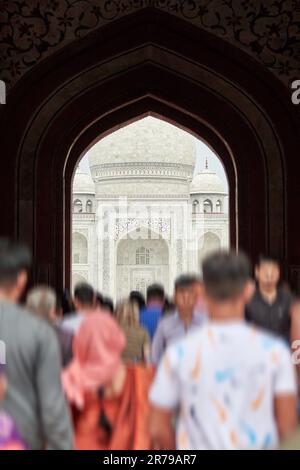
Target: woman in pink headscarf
(109, 400)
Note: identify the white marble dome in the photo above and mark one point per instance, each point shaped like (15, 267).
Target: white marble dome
(207, 182)
(147, 140)
(83, 183)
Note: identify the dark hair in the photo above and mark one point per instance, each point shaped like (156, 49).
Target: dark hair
(66, 302)
(186, 280)
(225, 274)
(168, 307)
(108, 304)
(138, 298)
(267, 259)
(84, 293)
(58, 304)
(155, 292)
(99, 299)
(14, 258)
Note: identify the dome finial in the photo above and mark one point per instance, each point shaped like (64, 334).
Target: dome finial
(206, 164)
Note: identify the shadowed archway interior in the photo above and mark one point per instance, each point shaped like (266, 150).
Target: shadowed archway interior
(131, 68)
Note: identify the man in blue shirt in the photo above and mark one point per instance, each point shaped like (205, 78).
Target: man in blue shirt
(151, 314)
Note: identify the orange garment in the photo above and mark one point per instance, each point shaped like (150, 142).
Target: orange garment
(128, 415)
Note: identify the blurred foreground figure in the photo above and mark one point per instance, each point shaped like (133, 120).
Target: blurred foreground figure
(270, 306)
(109, 400)
(234, 384)
(34, 397)
(185, 319)
(42, 301)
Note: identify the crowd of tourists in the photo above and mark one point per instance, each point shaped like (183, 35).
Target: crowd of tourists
(214, 367)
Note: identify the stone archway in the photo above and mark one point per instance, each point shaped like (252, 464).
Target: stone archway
(85, 91)
(80, 248)
(208, 242)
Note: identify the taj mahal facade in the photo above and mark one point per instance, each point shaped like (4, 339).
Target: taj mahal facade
(142, 215)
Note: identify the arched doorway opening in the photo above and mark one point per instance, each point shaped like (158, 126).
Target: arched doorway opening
(143, 181)
(208, 243)
(78, 279)
(141, 262)
(80, 249)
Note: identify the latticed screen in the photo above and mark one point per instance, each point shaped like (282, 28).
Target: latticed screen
(142, 256)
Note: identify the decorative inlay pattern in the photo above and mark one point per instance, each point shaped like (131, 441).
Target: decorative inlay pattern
(150, 170)
(159, 226)
(268, 30)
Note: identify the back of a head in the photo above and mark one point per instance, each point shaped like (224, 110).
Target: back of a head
(84, 294)
(15, 257)
(137, 298)
(225, 274)
(186, 280)
(41, 300)
(107, 305)
(155, 292)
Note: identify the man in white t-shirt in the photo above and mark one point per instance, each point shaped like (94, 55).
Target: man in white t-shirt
(233, 385)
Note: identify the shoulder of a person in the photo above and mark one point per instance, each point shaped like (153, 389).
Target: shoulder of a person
(32, 324)
(271, 340)
(143, 310)
(198, 333)
(168, 320)
(256, 295)
(69, 318)
(287, 296)
(64, 333)
(188, 344)
(25, 315)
